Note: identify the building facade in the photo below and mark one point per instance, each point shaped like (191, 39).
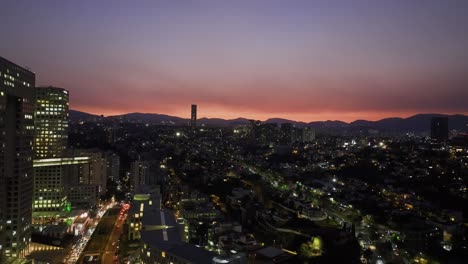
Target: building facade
(87, 181)
(51, 122)
(16, 166)
(49, 192)
(96, 172)
(75, 181)
(138, 173)
(113, 166)
(52, 177)
(439, 128)
(193, 116)
(308, 134)
(50, 143)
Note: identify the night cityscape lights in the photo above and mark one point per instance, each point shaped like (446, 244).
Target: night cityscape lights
(233, 132)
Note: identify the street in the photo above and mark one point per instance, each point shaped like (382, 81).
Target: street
(113, 242)
(81, 243)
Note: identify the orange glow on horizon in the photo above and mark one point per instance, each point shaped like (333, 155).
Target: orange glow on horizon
(217, 112)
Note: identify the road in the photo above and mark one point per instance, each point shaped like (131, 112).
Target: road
(113, 242)
(80, 244)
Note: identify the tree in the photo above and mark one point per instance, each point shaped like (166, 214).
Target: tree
(312, 248)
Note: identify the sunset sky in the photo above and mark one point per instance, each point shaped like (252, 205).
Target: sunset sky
(303, 60)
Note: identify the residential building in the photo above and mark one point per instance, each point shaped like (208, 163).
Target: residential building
(139, 170)
(113, 166)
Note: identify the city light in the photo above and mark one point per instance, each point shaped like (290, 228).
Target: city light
(286, 132)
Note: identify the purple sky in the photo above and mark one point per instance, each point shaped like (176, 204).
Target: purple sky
(305, 60)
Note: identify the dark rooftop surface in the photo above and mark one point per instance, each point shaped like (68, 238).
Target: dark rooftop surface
(270, 252)
(160, 231)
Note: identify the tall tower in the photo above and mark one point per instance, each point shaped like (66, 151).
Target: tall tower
(16, 165)
(193, 117)
(51, 122)
(50, 142)
(439, 128)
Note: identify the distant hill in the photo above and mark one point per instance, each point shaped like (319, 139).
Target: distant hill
(416, 123)
(223, 122)
(150, 118)
(75, 115)
(240, 121)
(282, 121)
(329, 124)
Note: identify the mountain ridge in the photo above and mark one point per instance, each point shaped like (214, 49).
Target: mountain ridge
(417, 122)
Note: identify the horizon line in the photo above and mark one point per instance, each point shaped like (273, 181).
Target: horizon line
(306, 122)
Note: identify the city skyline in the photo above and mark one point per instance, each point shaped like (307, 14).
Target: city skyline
(236, 132)
(300, 60)
(267, 118)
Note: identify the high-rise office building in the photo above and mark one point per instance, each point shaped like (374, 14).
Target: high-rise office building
(51, 122)
(76, 181)
(50, 142)
(50, 198)
(439, 128)
(16, 164)
(97, 174)
(87, 181)
(193, 117)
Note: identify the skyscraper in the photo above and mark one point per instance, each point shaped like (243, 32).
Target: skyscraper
(16, 165)
(50, 142)
(439, 128)
(51, 122)
(193, 117)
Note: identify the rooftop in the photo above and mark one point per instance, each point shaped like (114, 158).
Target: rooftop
(160, 231)
(270, 252)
